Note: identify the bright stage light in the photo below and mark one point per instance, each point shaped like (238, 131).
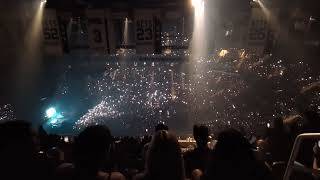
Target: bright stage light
(126, 32)
(198, 42)
(264, 8)
(51, 112)
(194, 3)
(197, 3)
(42, 3)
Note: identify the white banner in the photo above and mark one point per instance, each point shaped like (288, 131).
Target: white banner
(144, 30)
(51, 33)
(65, 23)
(258, 31)
(97, 29)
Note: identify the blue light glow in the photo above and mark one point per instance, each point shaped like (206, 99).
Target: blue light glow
(51, 112)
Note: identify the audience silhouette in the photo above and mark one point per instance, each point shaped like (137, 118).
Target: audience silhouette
(198, 158)
(233, 158)
(26, 154)
(279, 141)
(18, 152)
(91, 153)
(164, 159)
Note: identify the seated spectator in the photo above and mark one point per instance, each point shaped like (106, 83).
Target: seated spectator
(312, 125)
(233, 159)
(316, 161)
(159, 127)
(199, 157)
(279, 141)
(18, 152)
(262, 150)
(164, 159)
(91, 152)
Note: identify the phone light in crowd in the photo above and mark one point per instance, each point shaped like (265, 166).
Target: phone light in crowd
(223, 53)
(66, 139)
(312, 18)
(51, 112)
(268, 125)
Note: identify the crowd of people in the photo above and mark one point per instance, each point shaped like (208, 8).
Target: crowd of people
(134, 93)
(95, 154)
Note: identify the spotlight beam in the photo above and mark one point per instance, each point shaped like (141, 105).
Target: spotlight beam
(198, 43)
(197, 3)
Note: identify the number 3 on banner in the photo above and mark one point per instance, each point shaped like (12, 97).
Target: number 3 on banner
(97, 36)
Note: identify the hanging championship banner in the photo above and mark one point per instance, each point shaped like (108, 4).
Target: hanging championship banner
(111, 44)
(258, 31)
(145, 27)
(97, 35)
(64, 19)
(157, 35)
(51, 33)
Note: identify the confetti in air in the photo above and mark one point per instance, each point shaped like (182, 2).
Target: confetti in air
(237, 89)
(100, 112)
(7, 113)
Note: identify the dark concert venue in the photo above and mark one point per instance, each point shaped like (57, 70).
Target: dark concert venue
(160, 89)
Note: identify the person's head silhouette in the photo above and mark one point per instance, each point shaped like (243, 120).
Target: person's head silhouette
(164, 159)
(312, 117)
(18, 151)
(18, 138)
(161, 126)
(201, 135)
(232, 145)
(278, 123)
(91, 148)
(234, 159)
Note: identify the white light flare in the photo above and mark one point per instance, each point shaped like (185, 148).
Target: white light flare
(264, 8)
(198, 43)
(51, 112)
(198, 4)
(30, 56)
(33, 37)
(126, 32)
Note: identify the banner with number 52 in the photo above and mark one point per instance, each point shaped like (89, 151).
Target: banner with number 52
(51, 33)
(97, 29)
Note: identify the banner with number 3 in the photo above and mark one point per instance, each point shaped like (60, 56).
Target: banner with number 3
(97, 29)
